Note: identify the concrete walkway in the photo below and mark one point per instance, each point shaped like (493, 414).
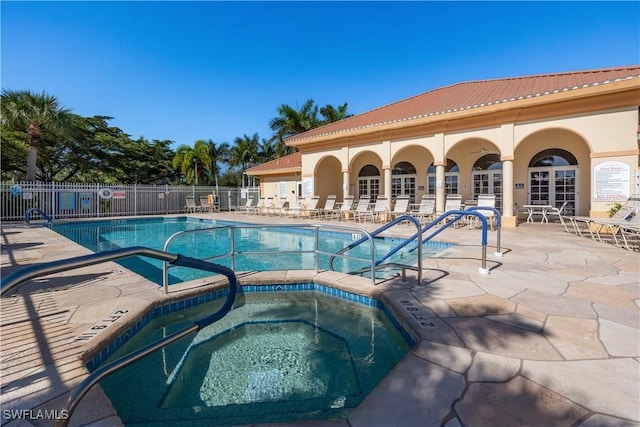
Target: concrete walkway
(551, 337)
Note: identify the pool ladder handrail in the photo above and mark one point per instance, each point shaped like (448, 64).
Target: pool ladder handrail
(14, 279)
(379, 230)
(233, 252)
(458, 216)
(27, 216)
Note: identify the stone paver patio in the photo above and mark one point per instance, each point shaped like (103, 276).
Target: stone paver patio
(551, 337)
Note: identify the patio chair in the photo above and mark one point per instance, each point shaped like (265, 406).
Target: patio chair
(344, 208)
(205, 206)
(596, 228)
(244, 208)
(362, 208)
(256, 209)
(311, 208)
(453, 202)
(401, 207)
(427, 208)
(297, 208)
(328, 207)
(268, 202)
(278, 207)
(191, 206)
(559, 212)
(381, 209)
(487, 201)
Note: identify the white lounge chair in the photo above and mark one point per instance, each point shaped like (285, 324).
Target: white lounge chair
(344, 209)
(191, 206)
(362, 208)
(277, 208)
(296, 209)
(328, 207)
(400, 207)
(258, 207)
(244, 208)
(427, 208)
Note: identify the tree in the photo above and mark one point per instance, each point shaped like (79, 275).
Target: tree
(244, 153)
(211, 155)
(35, 115)
(291, 121)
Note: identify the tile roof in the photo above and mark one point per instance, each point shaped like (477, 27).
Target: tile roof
(469, 95)
(282, 164)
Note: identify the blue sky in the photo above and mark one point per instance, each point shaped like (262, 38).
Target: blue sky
(218, 70)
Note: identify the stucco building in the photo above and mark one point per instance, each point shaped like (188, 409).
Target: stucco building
(545, 139)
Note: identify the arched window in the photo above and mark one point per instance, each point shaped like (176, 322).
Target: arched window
(488, 162)
(553, 157)
(369, 170)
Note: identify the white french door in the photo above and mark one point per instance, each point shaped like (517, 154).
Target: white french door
(553, 186)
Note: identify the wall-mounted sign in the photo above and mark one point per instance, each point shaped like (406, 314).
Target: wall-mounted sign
(67, 201)
(519, 185)
(612, 181)
(307, 187)
(283, 189)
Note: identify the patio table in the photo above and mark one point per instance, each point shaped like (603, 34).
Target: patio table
(537, 210)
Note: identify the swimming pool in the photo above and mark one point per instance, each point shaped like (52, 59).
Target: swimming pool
(279, 356)
(280, 244)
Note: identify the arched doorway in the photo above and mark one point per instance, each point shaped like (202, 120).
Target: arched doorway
(369, 181)
(553, 178)
(403, 181)
(451, 178)
(486, 177)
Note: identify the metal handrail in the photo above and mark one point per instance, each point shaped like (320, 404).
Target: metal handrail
(498, 252)
(401, 245)
(317, 228)
(27, 214)
(79, 392)
(459, 214)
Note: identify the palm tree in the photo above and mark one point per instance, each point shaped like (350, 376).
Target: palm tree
(245, 151)
(35, 115)
(186, 161)
(331, 114)
(291, 121)
(211, 156)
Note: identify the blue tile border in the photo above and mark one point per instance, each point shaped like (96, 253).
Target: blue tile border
(176, 306)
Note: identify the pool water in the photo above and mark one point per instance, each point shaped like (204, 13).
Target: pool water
(276, 357)
(153, 233)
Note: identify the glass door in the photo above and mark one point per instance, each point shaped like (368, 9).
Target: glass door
(404, 185)
(488, 182)
(539, 189)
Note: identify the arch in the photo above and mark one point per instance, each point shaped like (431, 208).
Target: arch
(553, 166)
(328, 177)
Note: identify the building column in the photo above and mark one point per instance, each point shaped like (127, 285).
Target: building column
(387, 185)
(508, 217)
(345, 184)
(440, 194)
